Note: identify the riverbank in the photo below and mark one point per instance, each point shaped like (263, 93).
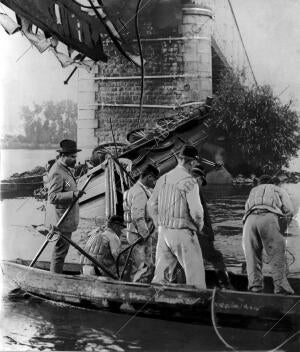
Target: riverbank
(284, 176)
(29, 146)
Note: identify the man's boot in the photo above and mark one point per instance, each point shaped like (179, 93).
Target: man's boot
(224, 280)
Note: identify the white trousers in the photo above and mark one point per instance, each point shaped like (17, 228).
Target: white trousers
(260, 232)
(179, 245)
(88, 269)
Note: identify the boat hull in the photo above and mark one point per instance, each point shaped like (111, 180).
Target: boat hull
(20, 186)
(172, 301)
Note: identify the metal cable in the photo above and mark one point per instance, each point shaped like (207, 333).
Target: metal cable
(85, 6)
(238, 28)
(142, 60)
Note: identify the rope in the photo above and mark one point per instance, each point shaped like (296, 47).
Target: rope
(213, 319)
(24, 53)
(51, 237)
(85, 6)
(23, 203)
(284, 342)
(113, 136)
(142, 60)
(238, 28)
(287, 251)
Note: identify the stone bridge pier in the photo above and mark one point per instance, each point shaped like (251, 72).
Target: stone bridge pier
(186, 44)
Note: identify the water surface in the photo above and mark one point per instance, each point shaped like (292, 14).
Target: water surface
(34, 324)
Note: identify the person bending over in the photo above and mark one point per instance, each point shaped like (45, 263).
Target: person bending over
(104, 246)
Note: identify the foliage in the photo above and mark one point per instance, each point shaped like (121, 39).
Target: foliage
(50, 122)
(260, 133)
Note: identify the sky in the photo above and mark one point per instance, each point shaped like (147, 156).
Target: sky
(28, 78)
(270, 30)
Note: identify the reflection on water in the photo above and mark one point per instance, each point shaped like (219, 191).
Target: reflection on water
(40, 325)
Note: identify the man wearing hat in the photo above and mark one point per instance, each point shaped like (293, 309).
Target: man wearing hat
(176, 210)
(266, 204)
(207, 236)
(62, 189)
(104, 246)
(140, 225)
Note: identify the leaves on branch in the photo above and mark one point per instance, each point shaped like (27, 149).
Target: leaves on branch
(260, 132)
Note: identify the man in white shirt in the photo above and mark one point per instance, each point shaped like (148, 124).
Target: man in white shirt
(266, 204)
(176, 210)
(140, 225)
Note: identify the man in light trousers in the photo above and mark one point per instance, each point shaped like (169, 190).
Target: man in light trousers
(266, 206)
(176, 210)
(140, 225)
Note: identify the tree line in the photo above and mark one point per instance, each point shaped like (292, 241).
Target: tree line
(257, 132)
(45, 125)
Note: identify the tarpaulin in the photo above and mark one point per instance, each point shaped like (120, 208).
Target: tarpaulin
(64, 20)
(39, 40)
(9, 25)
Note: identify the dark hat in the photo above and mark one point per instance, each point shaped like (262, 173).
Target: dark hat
(264, 179)
(117, 220)
(199, 170)
(188, 151)
(150, 169)
(68, 146)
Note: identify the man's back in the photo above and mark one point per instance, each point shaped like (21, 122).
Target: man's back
(271, 198)
(104, 246)
(174, 202)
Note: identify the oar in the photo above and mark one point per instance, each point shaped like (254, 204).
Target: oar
(50, 234)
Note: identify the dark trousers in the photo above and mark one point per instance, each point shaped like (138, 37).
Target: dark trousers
(59, 253)
(210, 253)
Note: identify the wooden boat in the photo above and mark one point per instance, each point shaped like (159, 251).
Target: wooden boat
(158, 146)
(171, 301)
(20, 185)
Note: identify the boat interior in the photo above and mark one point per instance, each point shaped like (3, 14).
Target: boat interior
(239, 282)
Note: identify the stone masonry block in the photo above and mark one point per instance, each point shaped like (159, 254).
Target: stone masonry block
(86, 133)
(84, 114)
(87, 124)
(85, 98)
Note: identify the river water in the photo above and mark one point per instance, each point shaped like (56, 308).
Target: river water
(33, 324)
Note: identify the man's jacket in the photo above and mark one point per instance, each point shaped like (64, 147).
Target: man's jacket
(61, 188)
(135, 212)
(175, 202)
(104, 247)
